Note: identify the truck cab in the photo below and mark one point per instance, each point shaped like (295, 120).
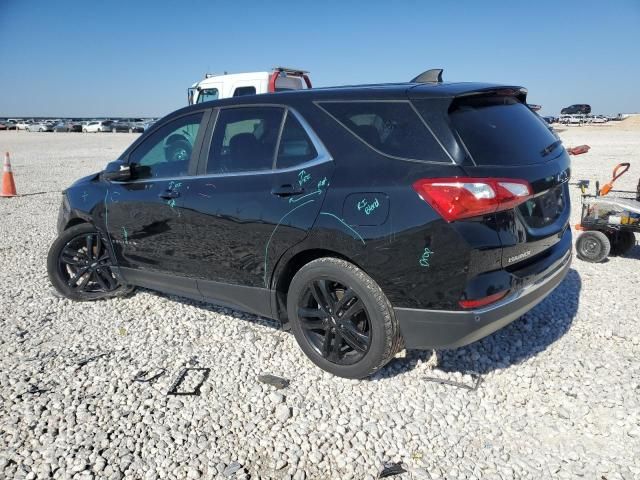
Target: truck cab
(214, 87)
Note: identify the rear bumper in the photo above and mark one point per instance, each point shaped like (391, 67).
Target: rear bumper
(423, 329)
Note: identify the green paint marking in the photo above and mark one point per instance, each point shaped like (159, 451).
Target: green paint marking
(266, 248)
(424, 259)
(125, 234)
(303, 177)
(297, 199)
(345, 224)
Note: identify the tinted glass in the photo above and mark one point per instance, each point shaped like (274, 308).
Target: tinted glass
(295, 145)
(207, 95)
(242, 91)
(393, 128)
(502, 131)
(166, 153)
(244, 139)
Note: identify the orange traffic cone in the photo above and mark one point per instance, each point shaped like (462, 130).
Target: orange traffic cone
(8, 185)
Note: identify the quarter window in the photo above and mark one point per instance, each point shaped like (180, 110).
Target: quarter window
(295, 145)
(393, 128)
(244, 139)
(167, 152)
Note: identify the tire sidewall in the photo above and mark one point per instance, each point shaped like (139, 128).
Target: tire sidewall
(54, 273)
(375, 303)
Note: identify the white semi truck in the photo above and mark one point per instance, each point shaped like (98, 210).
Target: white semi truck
(213, 87)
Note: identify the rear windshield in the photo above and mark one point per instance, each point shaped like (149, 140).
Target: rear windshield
(499, 130)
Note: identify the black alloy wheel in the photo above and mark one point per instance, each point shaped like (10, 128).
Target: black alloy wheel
(335, 321)
(341, 319)
(80, 265)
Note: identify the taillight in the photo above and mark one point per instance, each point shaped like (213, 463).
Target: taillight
(464, 197)
(481, 302)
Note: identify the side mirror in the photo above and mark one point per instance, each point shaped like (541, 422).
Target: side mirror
(117, 171)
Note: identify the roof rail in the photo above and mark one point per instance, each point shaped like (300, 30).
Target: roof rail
(430, 76)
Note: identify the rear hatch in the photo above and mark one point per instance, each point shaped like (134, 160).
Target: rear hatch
(493, 134)
(502, 137)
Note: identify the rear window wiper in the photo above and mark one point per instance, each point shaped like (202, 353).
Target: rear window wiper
(550, 148)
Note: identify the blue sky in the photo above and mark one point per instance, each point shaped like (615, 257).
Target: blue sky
(122, 58)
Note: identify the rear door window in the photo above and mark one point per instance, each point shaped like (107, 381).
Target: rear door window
(295, 145)
(245, 139)
(390, 127)
(500, 130)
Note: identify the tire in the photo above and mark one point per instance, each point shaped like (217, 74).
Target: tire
(334, 307)
(68, 260)
(622, 242)
(593, 246)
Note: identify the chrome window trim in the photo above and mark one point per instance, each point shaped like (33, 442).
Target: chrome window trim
(318, 103)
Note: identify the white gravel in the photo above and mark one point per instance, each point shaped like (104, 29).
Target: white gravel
(560, 396)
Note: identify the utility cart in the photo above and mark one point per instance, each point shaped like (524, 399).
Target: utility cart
(608, 222)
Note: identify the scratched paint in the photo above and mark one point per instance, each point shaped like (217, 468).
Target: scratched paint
(368, 206)
(424, 259)
(346, 225)
(125, 235)
(84, 196)
(322, 184)
(266, 248)
(303, 177)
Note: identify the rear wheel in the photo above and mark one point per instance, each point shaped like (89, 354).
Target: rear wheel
(80, 265)
(341, 318)
(622, 242)
(593, 246)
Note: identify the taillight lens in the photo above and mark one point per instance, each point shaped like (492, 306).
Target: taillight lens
(481, 302)
(464, 197)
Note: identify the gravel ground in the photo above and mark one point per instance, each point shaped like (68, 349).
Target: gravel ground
(559, 398)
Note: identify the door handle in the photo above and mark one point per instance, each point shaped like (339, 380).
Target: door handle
(169, 194)
(287, 191)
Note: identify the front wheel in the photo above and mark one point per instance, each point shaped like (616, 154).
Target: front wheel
(79, 265)
(341, 318)
(593, 246)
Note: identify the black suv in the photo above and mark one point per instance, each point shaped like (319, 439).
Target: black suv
(366, 219)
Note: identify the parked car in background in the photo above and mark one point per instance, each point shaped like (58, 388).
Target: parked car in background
(23, 124)
(68, 126)
(3, 125)
(366, 218)
(98, 126)
(599, 119)
(577, 108)
(11, 124)
(550, 119)
(39, 127)
(131, 126)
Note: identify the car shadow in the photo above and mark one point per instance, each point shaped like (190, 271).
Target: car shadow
(520, 340)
